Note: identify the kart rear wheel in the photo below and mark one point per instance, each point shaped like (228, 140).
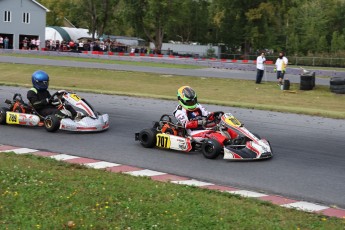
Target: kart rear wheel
(211, 149)
(52, 123)
(3, 115)
(147, 138)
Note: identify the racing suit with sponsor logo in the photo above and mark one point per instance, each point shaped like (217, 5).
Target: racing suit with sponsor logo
(189, 119)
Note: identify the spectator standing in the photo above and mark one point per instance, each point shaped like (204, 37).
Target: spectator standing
(281, 64)
(6, 41)
(51, 44)
(81, 45)
(57, 45)
(1, 42)
(92, 44)
(25, 43)
(260, 67)
(38, 43)
(33, 44)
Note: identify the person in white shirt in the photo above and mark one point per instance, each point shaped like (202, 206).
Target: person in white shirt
(281, 65)
(38, 42)
(33, 44)
(260, 67)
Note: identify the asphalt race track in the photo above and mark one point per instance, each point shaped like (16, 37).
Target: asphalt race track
(308, 164)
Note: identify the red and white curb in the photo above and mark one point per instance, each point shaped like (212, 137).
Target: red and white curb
(165, 177)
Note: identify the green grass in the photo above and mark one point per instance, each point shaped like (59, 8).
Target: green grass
(229, 92)
(109, 61)
(41, 193)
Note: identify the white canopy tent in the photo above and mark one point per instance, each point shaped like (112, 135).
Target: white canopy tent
(67, 33)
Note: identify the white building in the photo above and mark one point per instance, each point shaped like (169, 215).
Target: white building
(20, 19)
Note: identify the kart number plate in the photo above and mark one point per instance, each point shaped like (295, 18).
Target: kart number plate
(233, 121)
(75, 97)
(163, 141)
(12, 118)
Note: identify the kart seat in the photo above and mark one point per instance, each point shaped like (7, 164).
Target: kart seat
(170, 125)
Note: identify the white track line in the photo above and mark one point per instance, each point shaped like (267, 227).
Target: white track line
(63, 157)
(305, 206)
(22, 150)
(101, 165)
(145, 172)
(246, 193)
(192, 183)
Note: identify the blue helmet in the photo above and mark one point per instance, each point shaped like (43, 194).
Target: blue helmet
(40, 80)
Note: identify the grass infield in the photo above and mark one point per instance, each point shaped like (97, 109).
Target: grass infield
(42, 193)
(229, 92)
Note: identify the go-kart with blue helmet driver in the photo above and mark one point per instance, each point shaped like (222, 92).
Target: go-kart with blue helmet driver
(62, 110)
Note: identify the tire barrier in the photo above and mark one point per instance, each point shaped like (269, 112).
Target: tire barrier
(307, 82)
(286, 85)
(337, 85)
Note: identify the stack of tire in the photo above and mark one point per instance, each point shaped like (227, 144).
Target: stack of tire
(286, 85)
(307, 81)
(337, 85)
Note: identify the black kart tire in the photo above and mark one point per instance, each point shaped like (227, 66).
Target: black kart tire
(286, 85)
(337, 81)
(306, 78)
(338, 91)
(211, 149)
(147, 138)
(337, 87)
(306, 85)
(3, 115)
(52, 123)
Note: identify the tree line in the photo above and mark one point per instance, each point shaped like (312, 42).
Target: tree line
(298, 27)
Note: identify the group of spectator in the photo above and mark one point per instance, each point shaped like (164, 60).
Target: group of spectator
(85, 45)
(97, 45)
(30, 44)
(4, 42)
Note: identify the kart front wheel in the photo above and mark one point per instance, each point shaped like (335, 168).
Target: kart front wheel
(51, 123)
(147, 138)
(3, 115)
(211, 149)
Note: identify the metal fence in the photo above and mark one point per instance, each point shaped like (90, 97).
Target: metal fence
(299, 61)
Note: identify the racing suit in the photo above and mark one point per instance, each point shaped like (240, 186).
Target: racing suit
(191, 121)
(40, 101)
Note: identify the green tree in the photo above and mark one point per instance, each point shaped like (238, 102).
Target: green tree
(262, 25)
(335, 46)
(151, 17)
(59, 10)
(98, 14)
(322, 45)
(190, 22)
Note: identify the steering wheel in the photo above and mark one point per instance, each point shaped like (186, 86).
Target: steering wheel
(57, 94)
(216, 119)
(17, 97)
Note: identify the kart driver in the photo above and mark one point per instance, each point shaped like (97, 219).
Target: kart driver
(39, 97)
(192, 115)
